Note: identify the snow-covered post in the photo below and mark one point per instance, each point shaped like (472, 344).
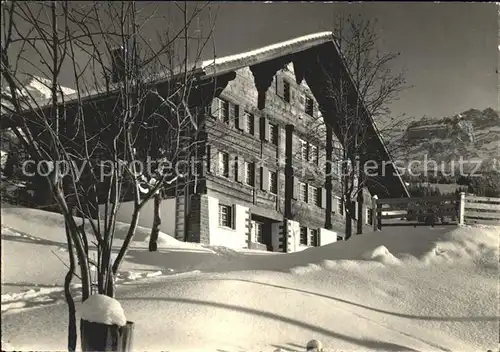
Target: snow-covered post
(103, 325)
(374, 212)
(314, 346)
(462, 208)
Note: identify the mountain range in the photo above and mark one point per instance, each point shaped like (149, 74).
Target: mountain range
(472, 135)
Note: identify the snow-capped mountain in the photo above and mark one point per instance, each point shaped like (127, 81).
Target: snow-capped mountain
(472, 134)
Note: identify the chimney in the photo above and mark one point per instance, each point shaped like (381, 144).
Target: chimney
(118, 64)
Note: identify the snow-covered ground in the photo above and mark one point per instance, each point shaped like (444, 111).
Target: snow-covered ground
(425, 289)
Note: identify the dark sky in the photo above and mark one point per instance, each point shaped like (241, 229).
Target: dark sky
(449, 49)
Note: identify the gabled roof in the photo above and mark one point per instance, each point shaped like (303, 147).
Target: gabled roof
(231, 63)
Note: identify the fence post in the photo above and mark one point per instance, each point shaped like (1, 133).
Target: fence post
(461, 213)
(379, 217)
(374, 212)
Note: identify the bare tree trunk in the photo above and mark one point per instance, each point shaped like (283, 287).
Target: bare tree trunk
(130, 235)
(348, 218)
(360, 199)
(347, 202)
(155, 230)
(72, 334)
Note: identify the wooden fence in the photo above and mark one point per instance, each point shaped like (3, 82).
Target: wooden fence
(464, 209)
(479, 210)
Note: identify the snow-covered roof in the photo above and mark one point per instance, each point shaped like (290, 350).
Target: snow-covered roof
(228, 63)
(235, 62)
(210, 67)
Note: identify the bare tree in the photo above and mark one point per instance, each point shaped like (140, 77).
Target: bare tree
(376, 86)
(178, 145)
(88, 145)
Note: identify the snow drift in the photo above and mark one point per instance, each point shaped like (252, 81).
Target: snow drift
(427, 289)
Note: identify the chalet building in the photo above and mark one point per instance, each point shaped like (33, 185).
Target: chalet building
(265, 120)
(265, 152)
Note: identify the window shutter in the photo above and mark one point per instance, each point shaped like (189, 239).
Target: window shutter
(238, 122)
(323, 198)
(296, 190)
(208, 158)
(293, 95)
(231, 114)
(301, 102)
(264, 180)
(317, 113)
(233, 216)
(212, 159)
(214, 109)
(264, 129)
(256, 126)
(220, 163)
(241, 169)
(279, 86)
(233, 170)
(254, 167)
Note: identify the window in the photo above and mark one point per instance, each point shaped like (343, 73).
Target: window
(314, 153)
(236, 112)
(273, 182)
(257, 228)
(303, 192)
(336, 168)
(314, 239)
(316, 194)
(224, 112)
(199, 168)
(303, 235)
(220, 110)
(273, 133)
(250, 174)
(309, 106)
(209, 156)
(236, 170)
(304, 151)
(225, 216)
(223, 164)
(286, 91)
(249, 123)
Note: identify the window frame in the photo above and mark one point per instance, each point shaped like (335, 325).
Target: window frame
(303, 197)
(249, 119)
(222, 112)
(224, 109)
(259, 238)
(313, 154)
(250, 171)
(309, 105)
(304, 149)
(314, 237)
(287, 91)
(303, 236)
(223, 164)
(316, 194)
(273, 179)
(229, 215)
(273, 137)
